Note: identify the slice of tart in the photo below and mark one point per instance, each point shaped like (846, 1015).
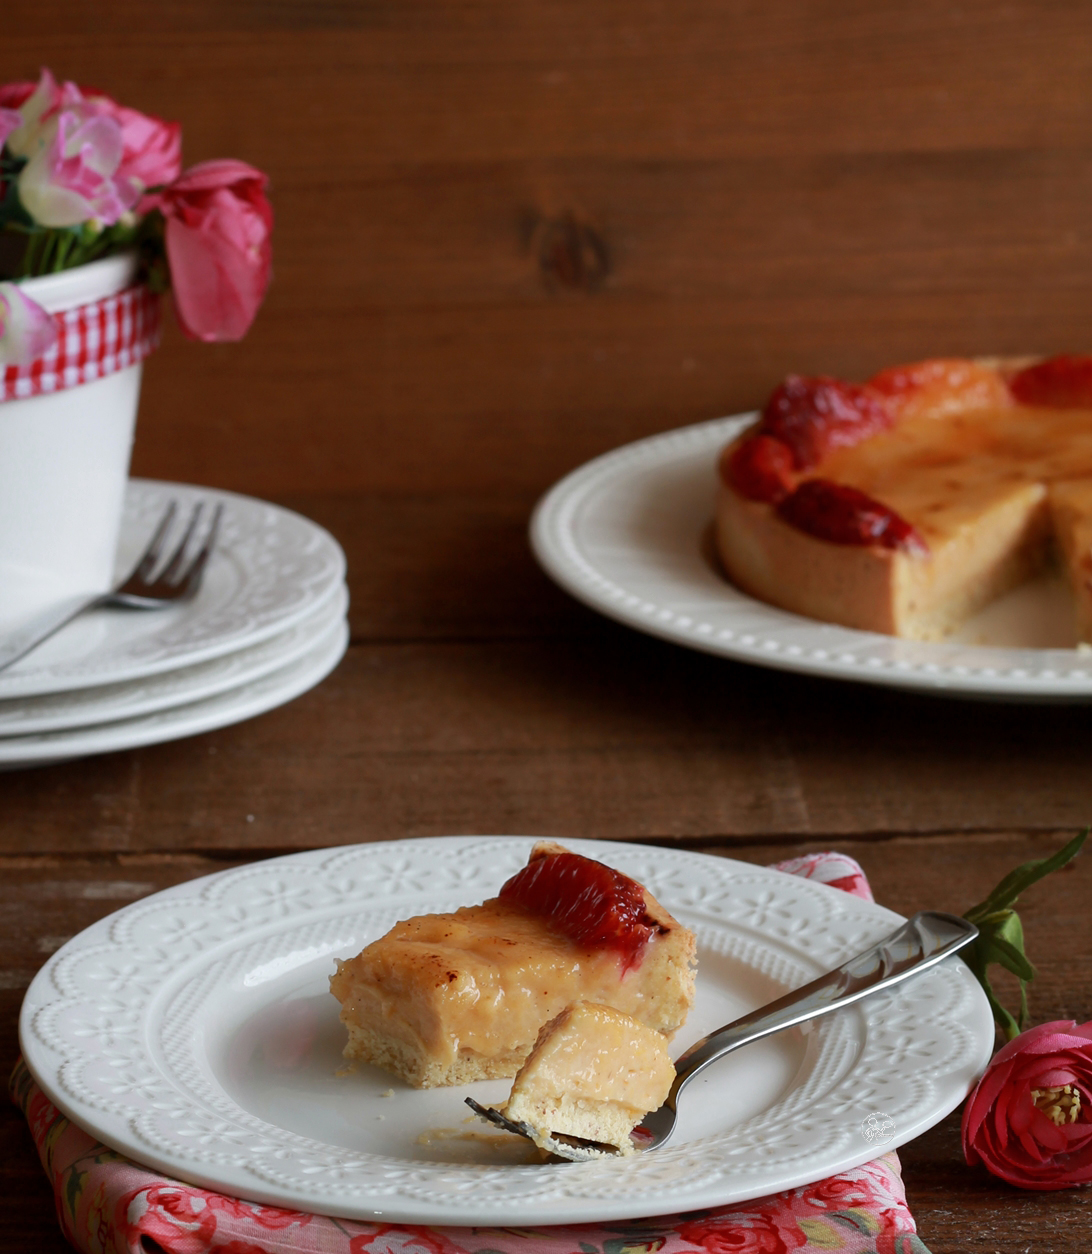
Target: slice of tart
(906, 504)
(450, 998)
(594, 1073)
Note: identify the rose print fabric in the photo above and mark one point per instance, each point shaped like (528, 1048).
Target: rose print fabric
(108, 1204)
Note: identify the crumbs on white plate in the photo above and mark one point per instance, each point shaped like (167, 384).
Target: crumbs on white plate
(387, 1093)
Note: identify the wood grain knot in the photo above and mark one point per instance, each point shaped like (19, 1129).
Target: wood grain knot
(571, 252)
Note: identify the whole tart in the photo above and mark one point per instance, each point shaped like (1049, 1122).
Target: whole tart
(907, 503)
(451, 998)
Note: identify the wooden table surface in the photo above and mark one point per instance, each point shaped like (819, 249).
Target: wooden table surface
(512, 234)
(476, 697)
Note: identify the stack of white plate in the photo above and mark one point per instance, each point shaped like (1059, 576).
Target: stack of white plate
(268, 623)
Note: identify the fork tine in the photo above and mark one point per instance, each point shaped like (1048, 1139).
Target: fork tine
(149, 559)
(192, 577)
(172, 572)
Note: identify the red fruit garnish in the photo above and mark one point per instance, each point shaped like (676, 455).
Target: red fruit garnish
(590, 903)
(1059, 383)
(842, 515)
(815, 416)
(760, 468)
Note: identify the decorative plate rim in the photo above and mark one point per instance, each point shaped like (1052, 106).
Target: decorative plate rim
(107, 1030)
(739, 627)
(80, 708)
(292, 566)
(235, 705)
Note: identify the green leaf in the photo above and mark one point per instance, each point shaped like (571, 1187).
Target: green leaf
(1000, 940)
(1012, 958)
(821, 1235)
(858, 1219)
(1021, 879)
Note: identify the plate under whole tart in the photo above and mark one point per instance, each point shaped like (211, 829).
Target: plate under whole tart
(629, 534)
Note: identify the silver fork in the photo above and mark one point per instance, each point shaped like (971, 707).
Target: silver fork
(920, 943)
(144, 589)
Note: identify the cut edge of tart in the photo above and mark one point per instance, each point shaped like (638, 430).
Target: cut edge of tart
(594, 1073)
(907, 504)
(447, 999)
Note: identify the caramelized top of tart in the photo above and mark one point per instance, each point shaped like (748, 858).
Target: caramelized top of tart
(999, 430)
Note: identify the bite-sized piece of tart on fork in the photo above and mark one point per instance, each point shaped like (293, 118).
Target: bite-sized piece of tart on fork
(906, 504)
(594, 1074)
(451, 998)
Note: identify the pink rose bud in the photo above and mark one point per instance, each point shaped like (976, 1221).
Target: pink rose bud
(218, 247)
(26, 330)
(1029, 1120)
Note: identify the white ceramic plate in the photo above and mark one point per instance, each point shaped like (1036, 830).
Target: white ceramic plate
(108, 703)
(627, 534)
(233, 706)
(271, 568)
(195, 1031)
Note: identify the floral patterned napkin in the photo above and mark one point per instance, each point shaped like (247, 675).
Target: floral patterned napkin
(108, 1204)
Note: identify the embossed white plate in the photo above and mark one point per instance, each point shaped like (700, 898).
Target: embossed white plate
(195, 1031)
(271, 568)
(109, 703)
(626, 534)
(243, 701)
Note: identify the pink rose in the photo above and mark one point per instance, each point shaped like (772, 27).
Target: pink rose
(151, 148)
(838, 1193)
(218, 247)
(73, 152)
(175, 1217)
(1028, 1119)
(761, 1231)
(26, 330)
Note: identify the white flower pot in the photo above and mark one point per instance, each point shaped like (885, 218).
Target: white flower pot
(64, 462)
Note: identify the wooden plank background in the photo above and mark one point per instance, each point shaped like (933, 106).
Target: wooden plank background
(514, 233)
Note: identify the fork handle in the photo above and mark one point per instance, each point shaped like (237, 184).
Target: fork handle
(46, 624)
(922, 941)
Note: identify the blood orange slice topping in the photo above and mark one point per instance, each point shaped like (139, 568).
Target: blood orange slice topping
(590, 903)
(843, 515)
(814, 416)
(760, 468)
(1058, 383)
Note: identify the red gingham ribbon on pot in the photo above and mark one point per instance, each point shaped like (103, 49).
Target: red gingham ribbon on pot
(93, 340)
